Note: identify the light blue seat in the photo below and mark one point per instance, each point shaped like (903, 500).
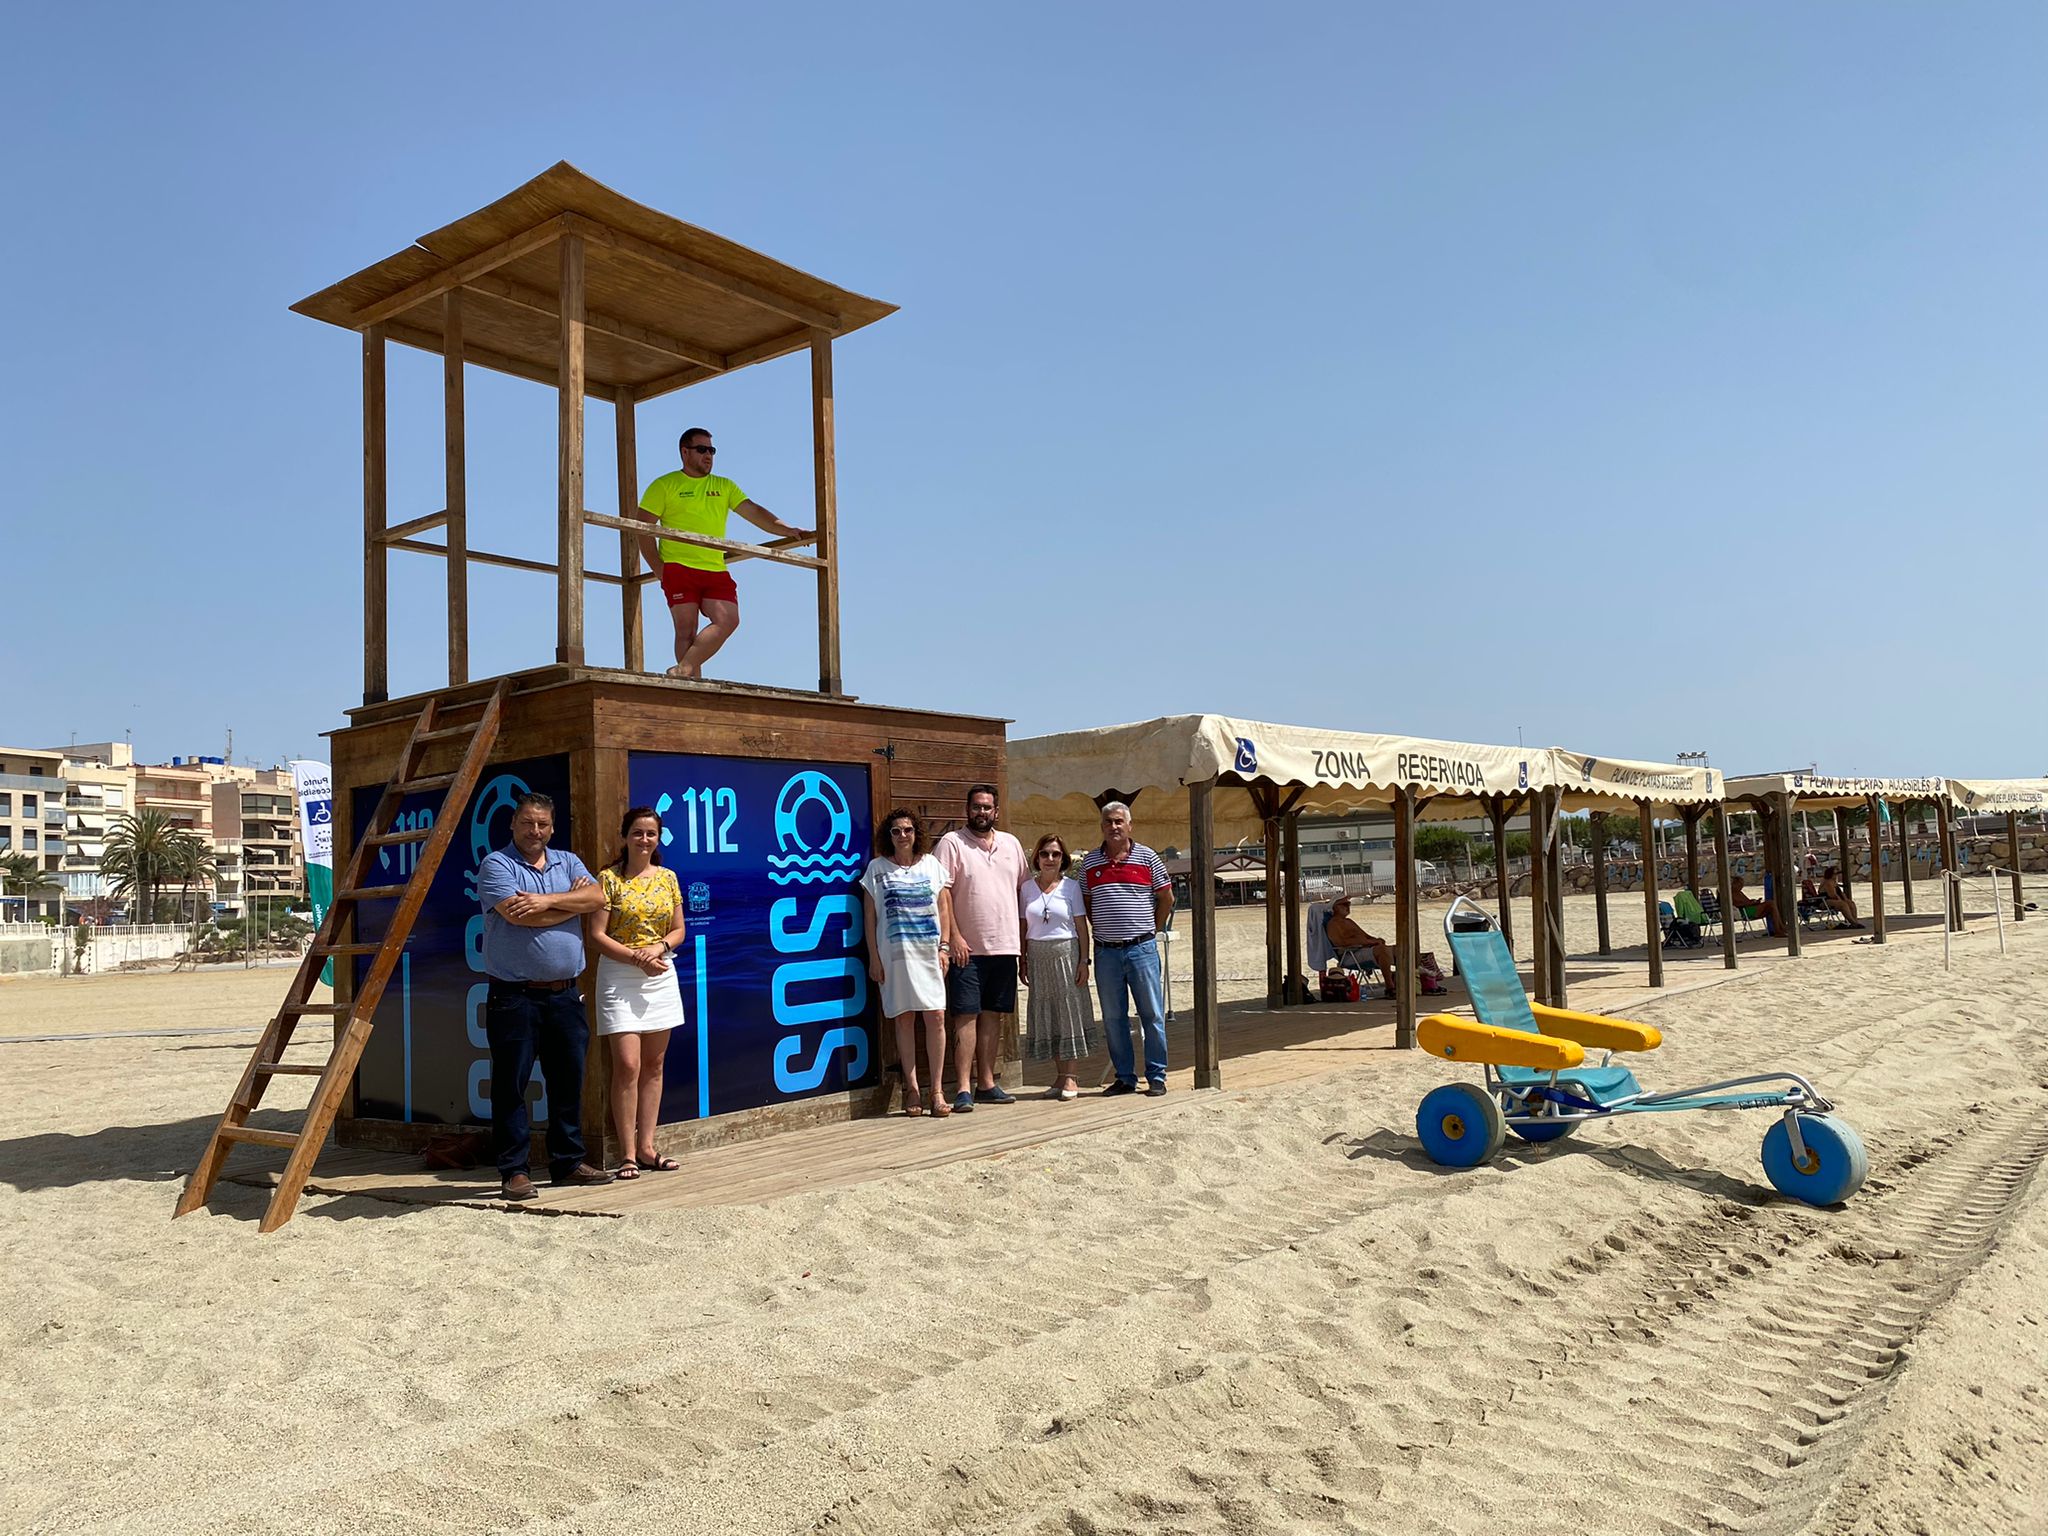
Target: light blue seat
(1497, 997)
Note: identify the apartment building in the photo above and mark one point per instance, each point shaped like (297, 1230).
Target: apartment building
(99, 789)
(32, 825)
(256, 845)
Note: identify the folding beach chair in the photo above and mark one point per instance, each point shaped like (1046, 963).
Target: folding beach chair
(1679, 932)
(1538, 1084)
(1710, 911)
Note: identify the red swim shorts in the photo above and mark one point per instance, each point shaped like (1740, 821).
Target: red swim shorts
(687, 584)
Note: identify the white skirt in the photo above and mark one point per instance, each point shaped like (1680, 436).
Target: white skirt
(631, 1002)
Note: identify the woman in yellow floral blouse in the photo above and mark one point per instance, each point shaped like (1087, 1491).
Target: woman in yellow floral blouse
(638, 997)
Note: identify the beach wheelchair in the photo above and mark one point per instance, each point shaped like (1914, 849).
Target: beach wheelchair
(1540, 1086)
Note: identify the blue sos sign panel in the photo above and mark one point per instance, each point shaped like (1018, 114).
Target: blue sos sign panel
(427, 1058)
(773, 967)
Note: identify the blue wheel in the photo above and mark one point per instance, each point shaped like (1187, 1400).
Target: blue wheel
(1460, 1125)
(1540, 1131)
(1835, 1162)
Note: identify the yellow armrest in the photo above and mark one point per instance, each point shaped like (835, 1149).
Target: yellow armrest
(1462, 1040)
(1597, 1030)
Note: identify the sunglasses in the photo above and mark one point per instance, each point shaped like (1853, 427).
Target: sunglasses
(903, 831)
(700, 448)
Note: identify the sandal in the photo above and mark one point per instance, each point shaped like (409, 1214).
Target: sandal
(936, 1106)
(654, 1162)
(629, 1169)
(911, 1106)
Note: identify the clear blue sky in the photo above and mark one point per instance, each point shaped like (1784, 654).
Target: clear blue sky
(1640, 378)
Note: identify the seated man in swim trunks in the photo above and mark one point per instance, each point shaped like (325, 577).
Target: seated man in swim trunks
(1837, 896)
(1741, 902)
(1352, 943)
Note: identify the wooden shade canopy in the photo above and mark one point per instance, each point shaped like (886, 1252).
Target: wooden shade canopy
(566, 282)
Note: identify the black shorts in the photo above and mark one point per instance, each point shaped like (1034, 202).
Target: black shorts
(985, 984)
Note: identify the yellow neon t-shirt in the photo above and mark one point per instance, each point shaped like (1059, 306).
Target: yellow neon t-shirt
(692, 504)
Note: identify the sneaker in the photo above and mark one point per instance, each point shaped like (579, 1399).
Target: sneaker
(1155, 1091)
(582, 1173)
(995, 1095)
(1117, 1087)
(963, 1103)
(518, 1187)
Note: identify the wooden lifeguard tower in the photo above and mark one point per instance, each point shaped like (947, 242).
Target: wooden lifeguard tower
(769, 794)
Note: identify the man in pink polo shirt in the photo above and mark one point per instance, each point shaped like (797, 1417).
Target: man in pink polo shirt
(985, 867)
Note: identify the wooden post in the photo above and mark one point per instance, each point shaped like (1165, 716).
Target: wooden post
(1654, 931)
(1498, 812)
(456, 459)
(1787, 883)
(632, 604)
(2012, 844)
(1905, 845)
(1202, 916)
(1553, 874)
(1600, 879)
(1406, 921)
(1692, 849)
(1874, 808)
(376, 632)
(1295, 989)
(1722, 873)
(569, 459)
(1539, 895)
(1276, 976)
(825, 466)
(1952, 893)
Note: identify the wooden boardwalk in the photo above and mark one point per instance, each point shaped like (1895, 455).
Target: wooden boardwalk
(1262, 1047)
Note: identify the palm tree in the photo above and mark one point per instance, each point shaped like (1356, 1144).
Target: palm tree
(141, 854)
(20, 873)
(193, 863)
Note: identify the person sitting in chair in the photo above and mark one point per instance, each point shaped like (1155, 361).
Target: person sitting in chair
(1745, 905)
(1353, 944)
(1836, 895)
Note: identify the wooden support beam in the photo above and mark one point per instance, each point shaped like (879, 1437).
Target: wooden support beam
(1874, 810)
(1786, 886)
(1295, 988)
(734, 548)
(632, 609)
(1600, 881)
(1722, 872)
(699, 272)
(1905, 847)
(483, 357)
(1692, 849)
(508, 562)
(435, 284)
(376, 495)
(569, 510)
(1553, 873)
(1497, 813)
(1407, 923)
(1654, 932)
(767, 548)
(1202, 919)
(745, 357)
(455, 461)
(825, 478)
(702, 358)
(1952, 893)
(1266, 800)
(2012, 843)
(1539, 896)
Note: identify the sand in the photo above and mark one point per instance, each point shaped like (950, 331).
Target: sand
(1259, 1311)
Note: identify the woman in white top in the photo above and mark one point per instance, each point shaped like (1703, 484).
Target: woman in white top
(909, 909)
(1055, 933)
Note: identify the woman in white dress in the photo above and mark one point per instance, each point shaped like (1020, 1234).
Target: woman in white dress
(909, 909)
(638, 998)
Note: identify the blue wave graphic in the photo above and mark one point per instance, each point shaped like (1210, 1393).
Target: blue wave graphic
(812, 877)
(781, 861)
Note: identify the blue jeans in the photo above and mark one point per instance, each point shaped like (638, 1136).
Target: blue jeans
(1123, 976)
(525, 1027)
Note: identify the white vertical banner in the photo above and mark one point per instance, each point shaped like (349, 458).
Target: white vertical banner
(315, 788)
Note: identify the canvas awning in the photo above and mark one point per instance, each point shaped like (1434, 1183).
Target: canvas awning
(1055, 781)
(1986, 797)
(1820, 791)
(1591, 783)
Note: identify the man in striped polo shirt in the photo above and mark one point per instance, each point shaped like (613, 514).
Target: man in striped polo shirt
(1129, 897)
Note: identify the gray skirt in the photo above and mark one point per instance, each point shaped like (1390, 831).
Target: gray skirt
(1061, 1020)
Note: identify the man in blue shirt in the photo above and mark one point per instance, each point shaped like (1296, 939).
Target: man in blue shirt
(534, 898)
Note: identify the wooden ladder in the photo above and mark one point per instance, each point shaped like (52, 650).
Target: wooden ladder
(352, 1020)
